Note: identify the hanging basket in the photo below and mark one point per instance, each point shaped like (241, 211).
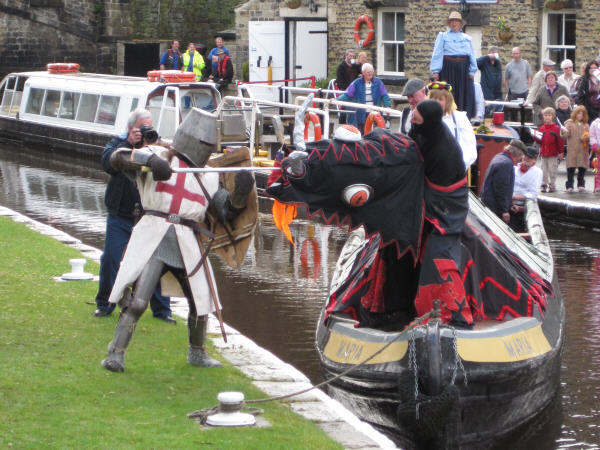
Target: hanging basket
(556, 5)
(505, 35)
(293, 4)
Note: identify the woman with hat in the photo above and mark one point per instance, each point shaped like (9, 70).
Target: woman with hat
(456, 121)
(453, 60)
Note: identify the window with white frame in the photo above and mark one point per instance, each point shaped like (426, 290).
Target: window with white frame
(390, 46)
(559, 36)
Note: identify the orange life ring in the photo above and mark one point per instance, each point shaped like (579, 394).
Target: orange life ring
(364, 19)
(171, 76)
(374, 117)
(314, 118)
(62, 67)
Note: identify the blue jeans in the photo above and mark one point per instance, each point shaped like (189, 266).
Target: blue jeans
(118, 232)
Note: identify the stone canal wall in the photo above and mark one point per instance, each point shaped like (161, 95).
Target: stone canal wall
(35, 32)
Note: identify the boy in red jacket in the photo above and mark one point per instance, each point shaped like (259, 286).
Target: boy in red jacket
(551, 148)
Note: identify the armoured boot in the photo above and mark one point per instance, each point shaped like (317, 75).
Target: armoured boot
(115, 360)
(197, 335)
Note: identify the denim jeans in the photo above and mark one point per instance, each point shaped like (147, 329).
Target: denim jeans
(118, 232)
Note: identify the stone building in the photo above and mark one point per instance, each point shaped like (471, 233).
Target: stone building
(107, 36)
(405, 30)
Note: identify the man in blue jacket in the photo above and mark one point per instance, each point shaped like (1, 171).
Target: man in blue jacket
(123, 203)
(499, 181)
(368, 90)
(491, 74)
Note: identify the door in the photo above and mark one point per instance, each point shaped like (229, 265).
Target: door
(476, 37)
(266, 46)
(308, 56)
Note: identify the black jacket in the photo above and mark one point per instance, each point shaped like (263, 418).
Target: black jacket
(345, 75)
(498, 185)
(121, 193)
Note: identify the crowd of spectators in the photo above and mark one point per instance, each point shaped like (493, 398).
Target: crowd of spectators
(215, 67)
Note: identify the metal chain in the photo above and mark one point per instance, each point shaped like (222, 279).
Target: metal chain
(457, 360)
(412, 363)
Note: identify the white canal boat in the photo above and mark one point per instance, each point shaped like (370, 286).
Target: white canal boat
(66, 110)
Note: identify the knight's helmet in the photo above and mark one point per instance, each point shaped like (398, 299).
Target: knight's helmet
(196, 137)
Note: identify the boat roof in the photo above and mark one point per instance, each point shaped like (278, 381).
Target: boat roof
(102, 78)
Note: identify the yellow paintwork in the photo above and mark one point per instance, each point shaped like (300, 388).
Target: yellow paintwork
(513, 347)
(346, 350)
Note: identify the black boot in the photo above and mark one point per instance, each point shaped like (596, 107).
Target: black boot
(197, 336)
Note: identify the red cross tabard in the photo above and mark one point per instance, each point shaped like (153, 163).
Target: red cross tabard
(179, 192)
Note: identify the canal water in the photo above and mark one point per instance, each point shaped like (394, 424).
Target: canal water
(275, 299)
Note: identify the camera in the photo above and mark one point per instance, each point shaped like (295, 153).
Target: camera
(149, 134)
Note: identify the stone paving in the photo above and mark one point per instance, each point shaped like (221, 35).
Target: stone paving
(270, 374)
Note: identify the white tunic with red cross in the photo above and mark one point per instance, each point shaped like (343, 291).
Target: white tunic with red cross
(180, 195)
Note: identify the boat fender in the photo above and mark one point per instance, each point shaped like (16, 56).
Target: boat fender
(357, 195)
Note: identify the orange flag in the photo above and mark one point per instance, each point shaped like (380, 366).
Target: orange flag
(283, 215)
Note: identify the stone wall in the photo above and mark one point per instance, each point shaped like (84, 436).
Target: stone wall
(424, 19)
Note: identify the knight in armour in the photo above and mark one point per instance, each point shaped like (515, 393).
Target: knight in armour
(167, 242)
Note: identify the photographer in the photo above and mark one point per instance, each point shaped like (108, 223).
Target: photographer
(122, 201)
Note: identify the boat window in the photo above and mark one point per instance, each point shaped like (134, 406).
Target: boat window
(107, 112)
(203, 100)
(69, 105)
(134, 103)
(88, 105)
(51, 104)
(35, 100)
(7, 97)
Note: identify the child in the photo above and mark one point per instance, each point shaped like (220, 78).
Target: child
(595, 146)
(551, 148)
(578, 136)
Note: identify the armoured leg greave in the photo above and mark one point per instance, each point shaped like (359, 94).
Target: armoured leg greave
(145, 285)
(197, 336)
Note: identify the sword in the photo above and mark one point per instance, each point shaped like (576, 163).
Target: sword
(221, 169)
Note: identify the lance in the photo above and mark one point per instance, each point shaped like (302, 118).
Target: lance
(221, 169)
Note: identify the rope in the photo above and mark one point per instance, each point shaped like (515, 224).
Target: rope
(345, 372)
(203, 414)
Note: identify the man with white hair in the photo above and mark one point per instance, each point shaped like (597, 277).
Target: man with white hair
(123, 204)
(368, 90)
(568, 78)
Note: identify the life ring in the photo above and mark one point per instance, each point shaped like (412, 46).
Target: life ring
(374, 117)
(171, 76)
(62, 67)
(367, 20)
(314, 118)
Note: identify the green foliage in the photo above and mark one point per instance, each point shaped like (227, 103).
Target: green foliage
(245, 71)
(55, 394)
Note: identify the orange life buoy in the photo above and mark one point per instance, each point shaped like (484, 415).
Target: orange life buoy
(171, 76)
(314, 118)
(374, 117)
(62, 67)
(367, 20)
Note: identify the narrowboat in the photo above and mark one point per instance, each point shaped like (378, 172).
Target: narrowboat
(434, 385)
(64, 109)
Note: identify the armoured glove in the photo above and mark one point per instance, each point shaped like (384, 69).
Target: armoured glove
(296, 161)
(161, 170)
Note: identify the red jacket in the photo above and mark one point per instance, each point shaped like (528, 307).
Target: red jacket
(551, 144)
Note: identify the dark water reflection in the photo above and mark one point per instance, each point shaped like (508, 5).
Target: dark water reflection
(276, 297)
